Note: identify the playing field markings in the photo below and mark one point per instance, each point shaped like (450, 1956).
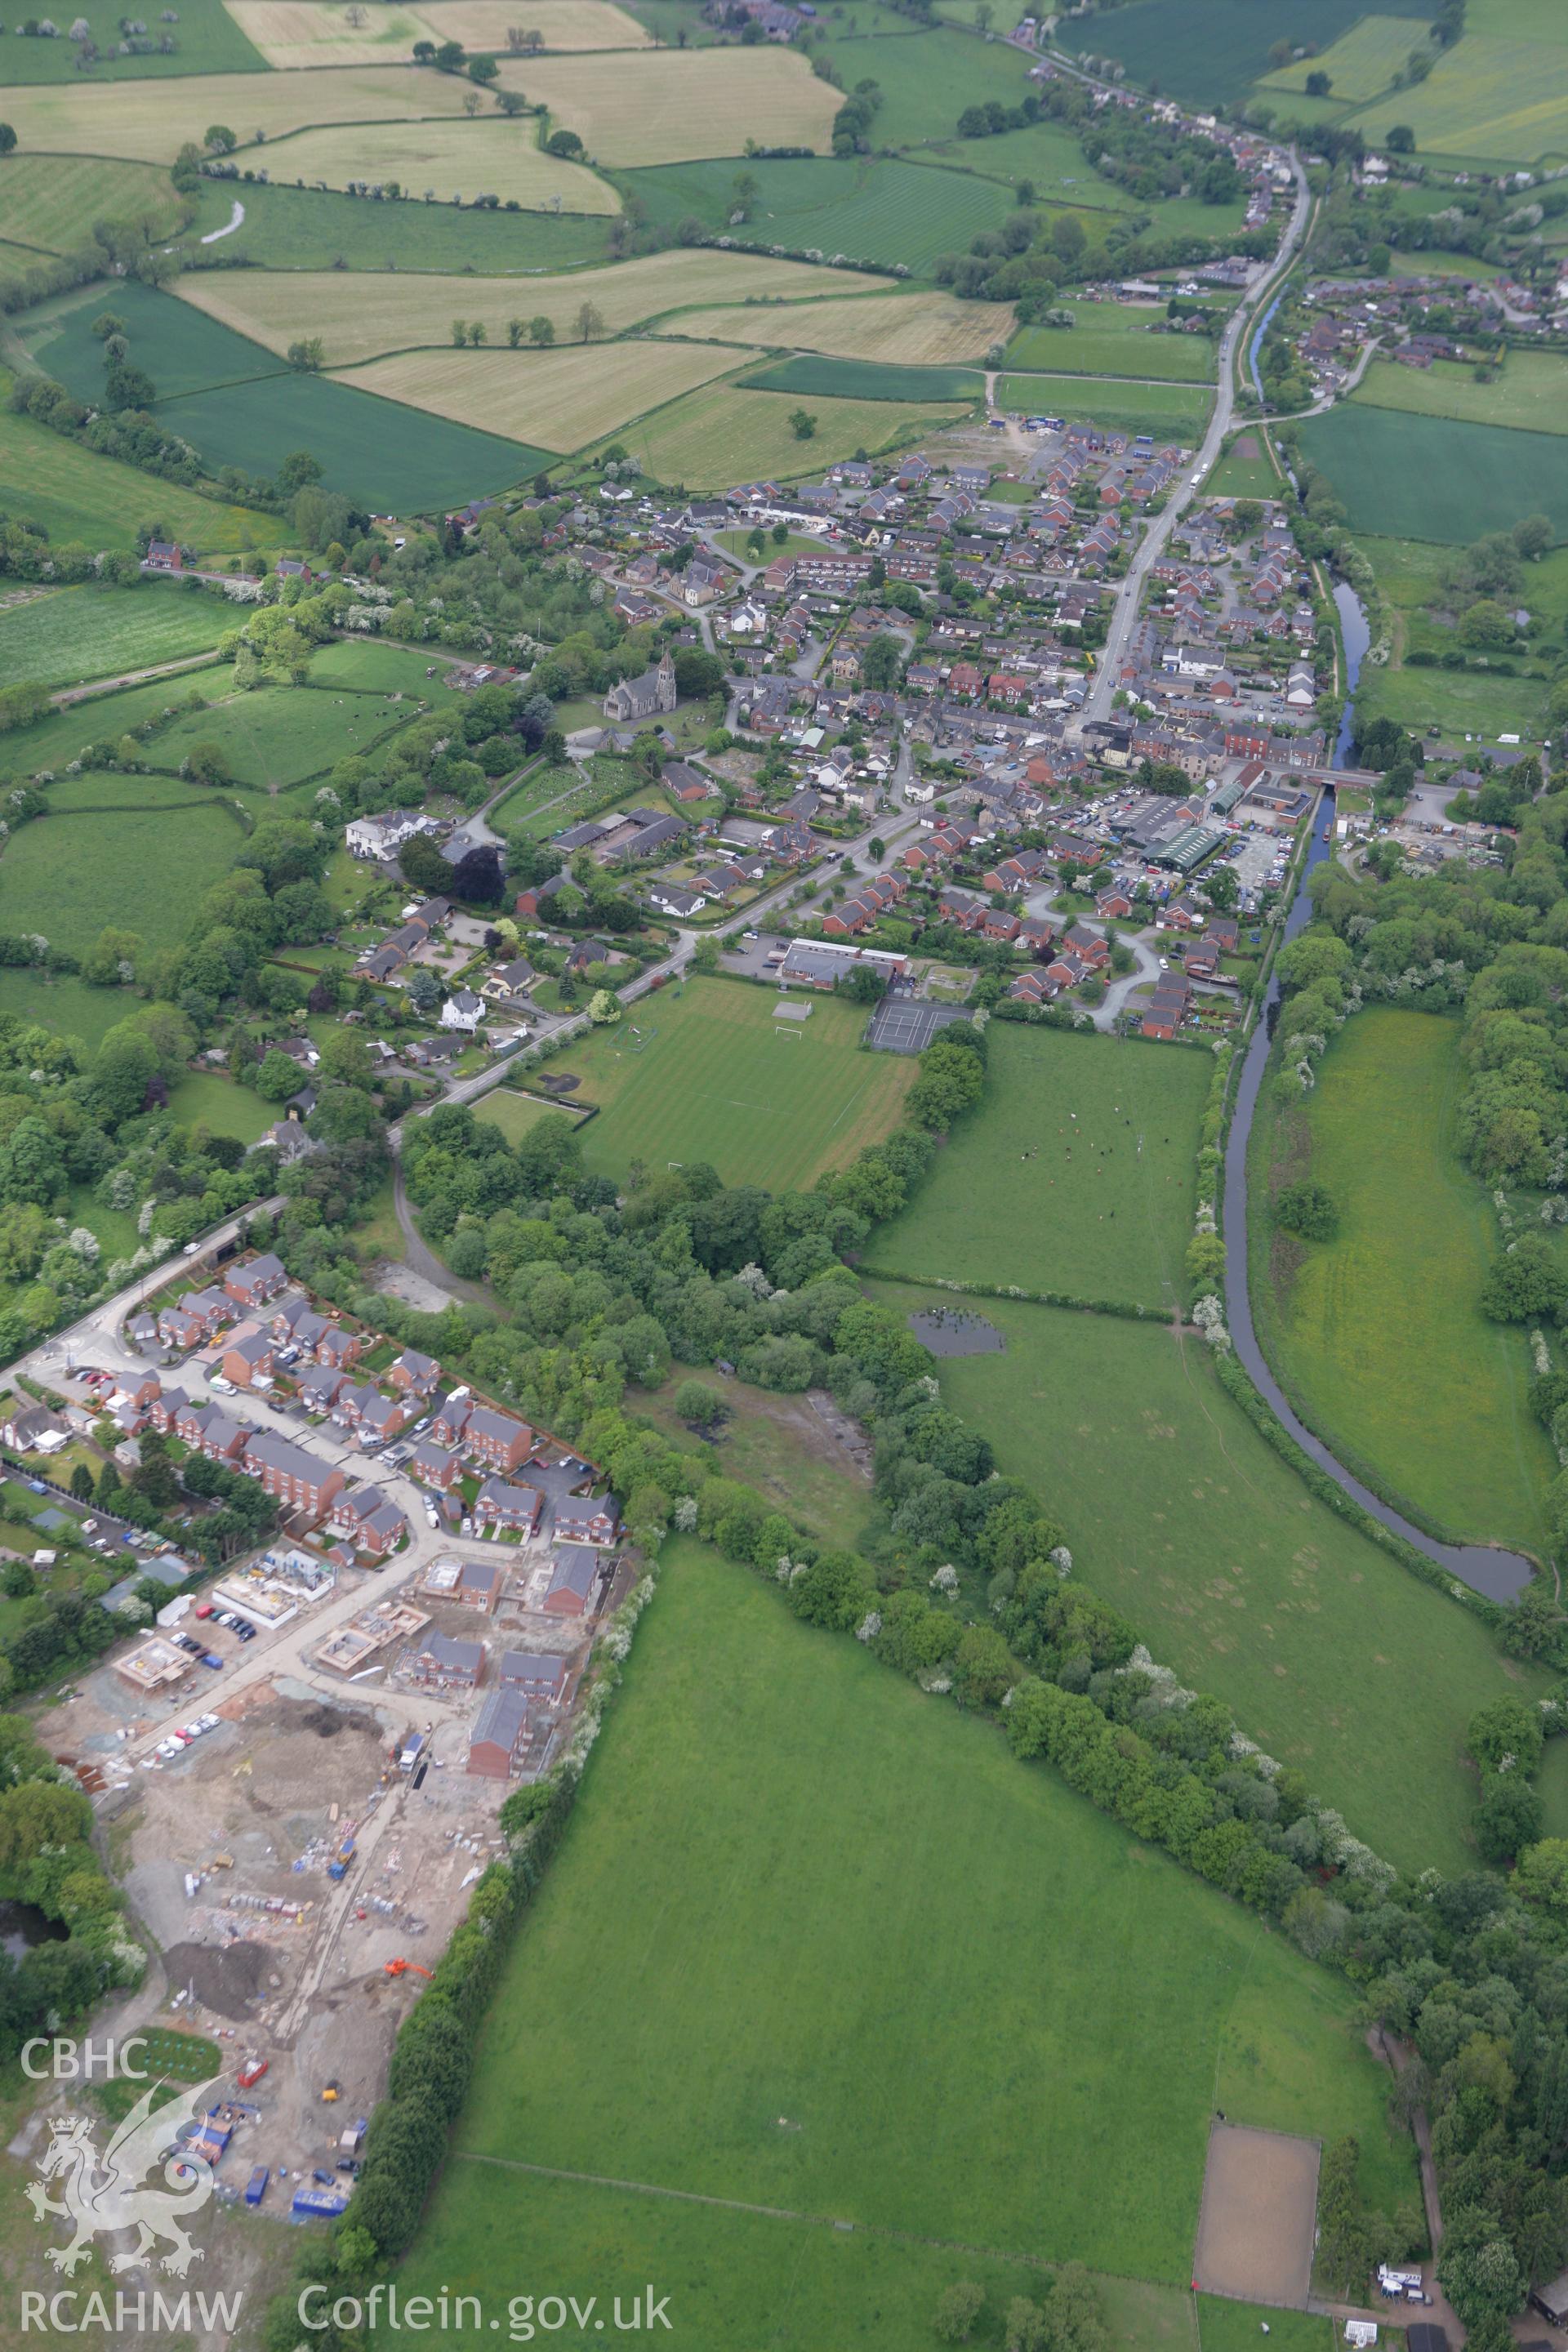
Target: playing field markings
(850, 1104)
(1258, 2218)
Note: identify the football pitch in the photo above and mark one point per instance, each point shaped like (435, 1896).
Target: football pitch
(710, 1073)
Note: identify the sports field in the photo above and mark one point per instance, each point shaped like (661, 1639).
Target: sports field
(867, 380)
(1531, 391)
(151, 123)
(207, 42)
(52, 200)
(720, 1079)
(668, 106)
(73, 633)
(1113, 339)
(96, 502)
(874, 208)
(1384, 462)
(904, 329)
(1075, 1175)
(1498, 100)
(718, 435)
(812, 1950)
(367, 315)
(446, 160)
(1213, 52)
(554, 400)
(1357, 1326)
(67, 877)
(1361, 64)
(1171, 412)
(1181, 1514)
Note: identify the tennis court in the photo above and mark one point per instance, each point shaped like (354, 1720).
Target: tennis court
(901, 1025)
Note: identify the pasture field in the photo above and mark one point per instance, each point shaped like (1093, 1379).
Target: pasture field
(1520, 20)
(1384, 462)
(303, 228)
(68, 877)
(874, 208)
(1478, 702)
(64, 1006)
(368, 317)
(150, 125)
(367, 666)
(1073, 1175)
(716, 1081)
(1212, 54)
(927, 80)
(555, 399)
(52, 200)
(181, 347)
(288, 33)
(74, 634)
(1184, 1517)
(1388, 1310)
(1531, 392)
(448, 158)
(867, 380)
(670, 106)
(100, 719)
(1171, 412)
(1410, 576)
(1503, 101)
(1110, 339)
(115, 790)
(79, 498)
(1361, 64)
(718, 435)
(805, 1949)
(209, 42)
(279, 735)
(903, 329)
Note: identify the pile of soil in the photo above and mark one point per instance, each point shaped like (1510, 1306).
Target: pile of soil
(228, 1979)
(560, 1082)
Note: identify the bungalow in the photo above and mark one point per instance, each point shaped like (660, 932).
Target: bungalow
(33, 1429)
(444, 1658)
(571, 1586)
(253, 1284)
(516, 1508)
(500, 1729)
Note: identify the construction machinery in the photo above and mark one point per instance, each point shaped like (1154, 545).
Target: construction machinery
(402, 1967)
(330, 2092)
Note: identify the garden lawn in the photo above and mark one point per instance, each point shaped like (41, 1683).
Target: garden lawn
(515, 1115)
(1108, 338)
(1377, 1336)
(313, 228)
(205, 1099)
(83, 633)
(875, 209)
(1531, 392)
(813, 1949)
(1208, 54)
(68, 877)
(1334, 1657)
(720, 1080)
(719, 435)
(1026, 1193)
(82, 498)
(1383, 463)
(1171, 412)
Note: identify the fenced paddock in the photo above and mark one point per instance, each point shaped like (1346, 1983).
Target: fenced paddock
(900, 1026)
(1259, 2212)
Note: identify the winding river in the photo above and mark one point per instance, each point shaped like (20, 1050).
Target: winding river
(1501, 1575)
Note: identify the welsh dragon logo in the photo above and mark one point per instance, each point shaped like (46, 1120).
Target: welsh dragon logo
(100, 2198)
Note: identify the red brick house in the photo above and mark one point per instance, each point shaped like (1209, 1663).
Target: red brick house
(299, 1481)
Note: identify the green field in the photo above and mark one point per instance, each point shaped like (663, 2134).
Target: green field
(1384, 464)
(719, 436)
(209, 41)
(515, 1115)
(1100, 1207)
(1459, 702)
(1357, 1328)
(311, 228)
(1531, 391)
(1181, 1514)
(1110, 339)
(74, 634)
(206, 1099)
(62, 1004)
(809, 375)
(874, 208)
(1171, 412)
(1503, 101)
(1361, 64)
(927, 80)
(82, 498)
(1210, 54)
(142, 870)
(51, 201)
(279, 735)
(810, 1960)
(238, 405)
(765, 1101)
(1244, 471)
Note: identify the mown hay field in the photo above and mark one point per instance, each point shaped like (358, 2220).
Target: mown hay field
(81, 497)
(873, 208)
(1390, 1307)
(551, 400)
(668, 106)
(909, 330)
(810, 1955)
(564, 24)
(53, 200)
(1497, 100)
(73, 633)
(1361, 64)
(490, 156)
(1531, 391)
(1238, 1579)
(719, 436)
(360, 318)
(296, 33)
(716, 1076)
(152, 123)
(1383, 463)
(1110, 339)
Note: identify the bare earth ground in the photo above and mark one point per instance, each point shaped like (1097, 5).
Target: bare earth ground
(1260, 2202)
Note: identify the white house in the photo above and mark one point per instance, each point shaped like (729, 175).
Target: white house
(464, 1011)
(1301, 689)
(383, 836)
